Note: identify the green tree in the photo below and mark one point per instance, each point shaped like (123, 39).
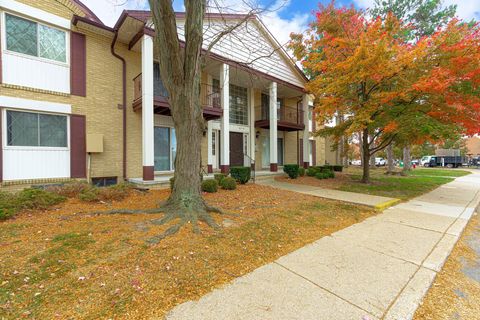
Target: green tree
(425, 16)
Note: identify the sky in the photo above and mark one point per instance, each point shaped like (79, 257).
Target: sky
(285, 17)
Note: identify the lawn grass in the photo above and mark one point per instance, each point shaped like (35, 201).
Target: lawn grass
(69, 264)
(439, 172)
(399, 187)
(396, 186)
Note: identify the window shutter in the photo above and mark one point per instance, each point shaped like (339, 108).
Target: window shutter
(1, 146)
(1, 72)
(78, 147)
(314, 152)
(314, 122)
(300, 153)
(78, 64)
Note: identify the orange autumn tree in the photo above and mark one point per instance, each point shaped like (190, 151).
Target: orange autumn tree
(357, 67)
(386, 87)
(444, 101)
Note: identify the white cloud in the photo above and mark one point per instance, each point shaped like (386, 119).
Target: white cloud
(466, 9)
(109, 11)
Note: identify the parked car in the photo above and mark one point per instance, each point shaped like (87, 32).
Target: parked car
(380, 162)
(356, 162)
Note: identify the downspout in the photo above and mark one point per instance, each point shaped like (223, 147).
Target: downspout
(124, 102)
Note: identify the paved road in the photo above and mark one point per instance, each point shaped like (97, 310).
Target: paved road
(378, 269)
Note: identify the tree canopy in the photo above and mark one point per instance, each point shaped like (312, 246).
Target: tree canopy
(385, 85)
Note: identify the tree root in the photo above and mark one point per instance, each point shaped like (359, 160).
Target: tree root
(186, 215)
(127, 211)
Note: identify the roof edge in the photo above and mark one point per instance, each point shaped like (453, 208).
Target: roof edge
(88, 12)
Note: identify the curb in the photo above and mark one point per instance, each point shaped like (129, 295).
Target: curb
(407, 302)
(387, 204)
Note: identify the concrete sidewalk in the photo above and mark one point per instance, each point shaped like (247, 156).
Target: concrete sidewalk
(376, 202)
(378, 269)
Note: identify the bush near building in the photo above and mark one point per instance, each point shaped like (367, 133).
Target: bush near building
(241, 174)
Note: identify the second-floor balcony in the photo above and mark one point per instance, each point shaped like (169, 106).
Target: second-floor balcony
(288, 119)
(209, 99)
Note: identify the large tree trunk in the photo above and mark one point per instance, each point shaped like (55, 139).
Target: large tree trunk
(407, 159)
(390, 160)
(366, 157)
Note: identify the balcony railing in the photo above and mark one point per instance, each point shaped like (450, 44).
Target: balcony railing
(284, 114)
(209, 95)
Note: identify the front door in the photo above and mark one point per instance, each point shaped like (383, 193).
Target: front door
(236, 149)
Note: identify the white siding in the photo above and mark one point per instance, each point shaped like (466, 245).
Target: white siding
(249, 44)
(28, 163)
(32, 72)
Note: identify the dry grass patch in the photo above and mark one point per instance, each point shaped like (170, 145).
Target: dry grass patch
(66, 263)
(455, 294)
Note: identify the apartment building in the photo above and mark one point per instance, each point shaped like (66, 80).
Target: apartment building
(82, 100)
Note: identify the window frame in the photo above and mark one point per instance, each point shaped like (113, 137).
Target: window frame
(3, 36)
(171, 133)
(5, 145)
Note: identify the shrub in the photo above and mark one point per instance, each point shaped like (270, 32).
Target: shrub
(219, 177)
(311, 172)
(241, 174)
(116, 192)
(69, 190)
(172, 181)
(6, 213)
(321, 175)
(210, 186)
(37, 199)
(327, 167)
(330, 173)
(301, 171)
(229, 183)
(291, 170)
(11, 203)
(89, 195)
(338, 168)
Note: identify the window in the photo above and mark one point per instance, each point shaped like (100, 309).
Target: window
(35, 39)
(238, 105)
(28, 129)
(104, 181)
(158, 87)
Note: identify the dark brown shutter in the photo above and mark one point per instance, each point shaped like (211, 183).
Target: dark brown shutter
(78, 64)
(1, 147)
(300, 152)
(0, 56)
(78, 147)
(314, 122)
(314, 152)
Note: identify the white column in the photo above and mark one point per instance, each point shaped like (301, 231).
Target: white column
(209, 148)
(225, 121)
(147, 108)
(273, 127)
(251, 101)
(306, 132)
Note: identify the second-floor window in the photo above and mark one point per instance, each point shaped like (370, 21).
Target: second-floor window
(35, 39)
